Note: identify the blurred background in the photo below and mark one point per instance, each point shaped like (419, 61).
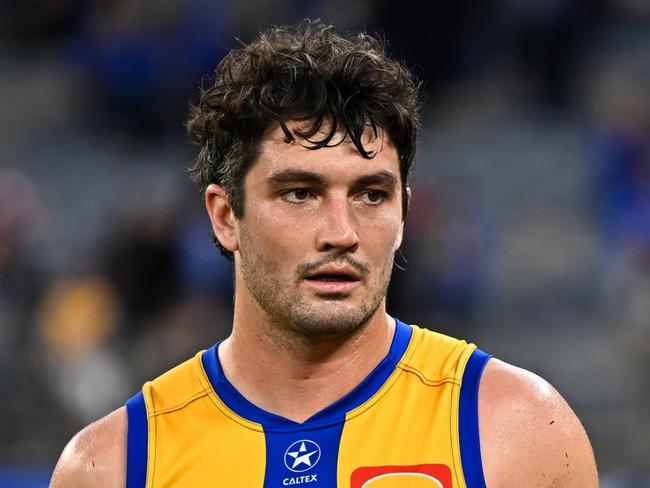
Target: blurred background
(529, 232)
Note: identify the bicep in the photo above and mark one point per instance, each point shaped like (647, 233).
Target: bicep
(529, 434)
(70, 470)
(96, 456)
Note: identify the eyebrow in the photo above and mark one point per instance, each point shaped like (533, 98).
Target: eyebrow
(296, 175)
(381, 178)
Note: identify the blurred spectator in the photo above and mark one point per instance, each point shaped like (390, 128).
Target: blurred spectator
(141, 61)
(141, 260)
(78, 316)
(203, 270)
(621, 162)
(20, 274)
(194, 323)
(623, 169)
(620, 159)
(546, 42)
(446, 255)
(21, 283)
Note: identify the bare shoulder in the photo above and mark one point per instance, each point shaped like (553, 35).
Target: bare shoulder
(96, 456)
(529, 434)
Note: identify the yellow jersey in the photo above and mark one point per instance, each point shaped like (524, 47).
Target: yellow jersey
(412, 422)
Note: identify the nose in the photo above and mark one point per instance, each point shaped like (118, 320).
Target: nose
(338, 230)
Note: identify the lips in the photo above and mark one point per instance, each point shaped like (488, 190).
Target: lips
(334, 273)
(331, 277)
(333, 280)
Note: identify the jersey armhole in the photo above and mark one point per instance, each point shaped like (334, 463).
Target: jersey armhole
(137, 443)
(470, 442)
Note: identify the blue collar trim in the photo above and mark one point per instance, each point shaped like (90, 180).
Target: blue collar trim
(334, 413)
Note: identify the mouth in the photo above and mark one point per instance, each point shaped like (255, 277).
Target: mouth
(333, 282)
(331, 277)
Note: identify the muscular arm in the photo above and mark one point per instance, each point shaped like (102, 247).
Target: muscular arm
(96, 456)
(529, 434)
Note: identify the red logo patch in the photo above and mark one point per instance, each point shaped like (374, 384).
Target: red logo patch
(419, 475)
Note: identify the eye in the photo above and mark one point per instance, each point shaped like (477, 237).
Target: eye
(297, 195)
(373, 197)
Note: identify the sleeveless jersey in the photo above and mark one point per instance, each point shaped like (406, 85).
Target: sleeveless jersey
(413, 422)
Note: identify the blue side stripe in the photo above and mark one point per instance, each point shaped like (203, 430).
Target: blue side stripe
(470, 442)
(136, 459)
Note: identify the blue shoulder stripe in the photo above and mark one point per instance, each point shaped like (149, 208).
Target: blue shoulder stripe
(136, 458)
(470, 443)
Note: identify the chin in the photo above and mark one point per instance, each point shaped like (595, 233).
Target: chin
(331, 320)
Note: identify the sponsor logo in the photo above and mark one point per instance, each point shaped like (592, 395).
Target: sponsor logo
(299, 480)
(416, 476)
(301, 456)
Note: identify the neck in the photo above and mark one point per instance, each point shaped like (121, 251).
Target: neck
(296, 377)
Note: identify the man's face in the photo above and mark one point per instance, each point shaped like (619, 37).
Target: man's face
(318, 234)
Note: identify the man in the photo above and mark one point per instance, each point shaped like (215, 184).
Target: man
(307, 138)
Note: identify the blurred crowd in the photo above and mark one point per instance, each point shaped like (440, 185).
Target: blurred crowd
(108, 279)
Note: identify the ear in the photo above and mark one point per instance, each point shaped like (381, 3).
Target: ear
(408, 200)
(224, 223)
(398, 240)
(400, 233)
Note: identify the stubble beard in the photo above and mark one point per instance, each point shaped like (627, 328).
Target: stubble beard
(295, 314)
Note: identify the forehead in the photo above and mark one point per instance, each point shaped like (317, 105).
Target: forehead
(339, 157)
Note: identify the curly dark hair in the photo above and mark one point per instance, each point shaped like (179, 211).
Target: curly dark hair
(310, 73)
